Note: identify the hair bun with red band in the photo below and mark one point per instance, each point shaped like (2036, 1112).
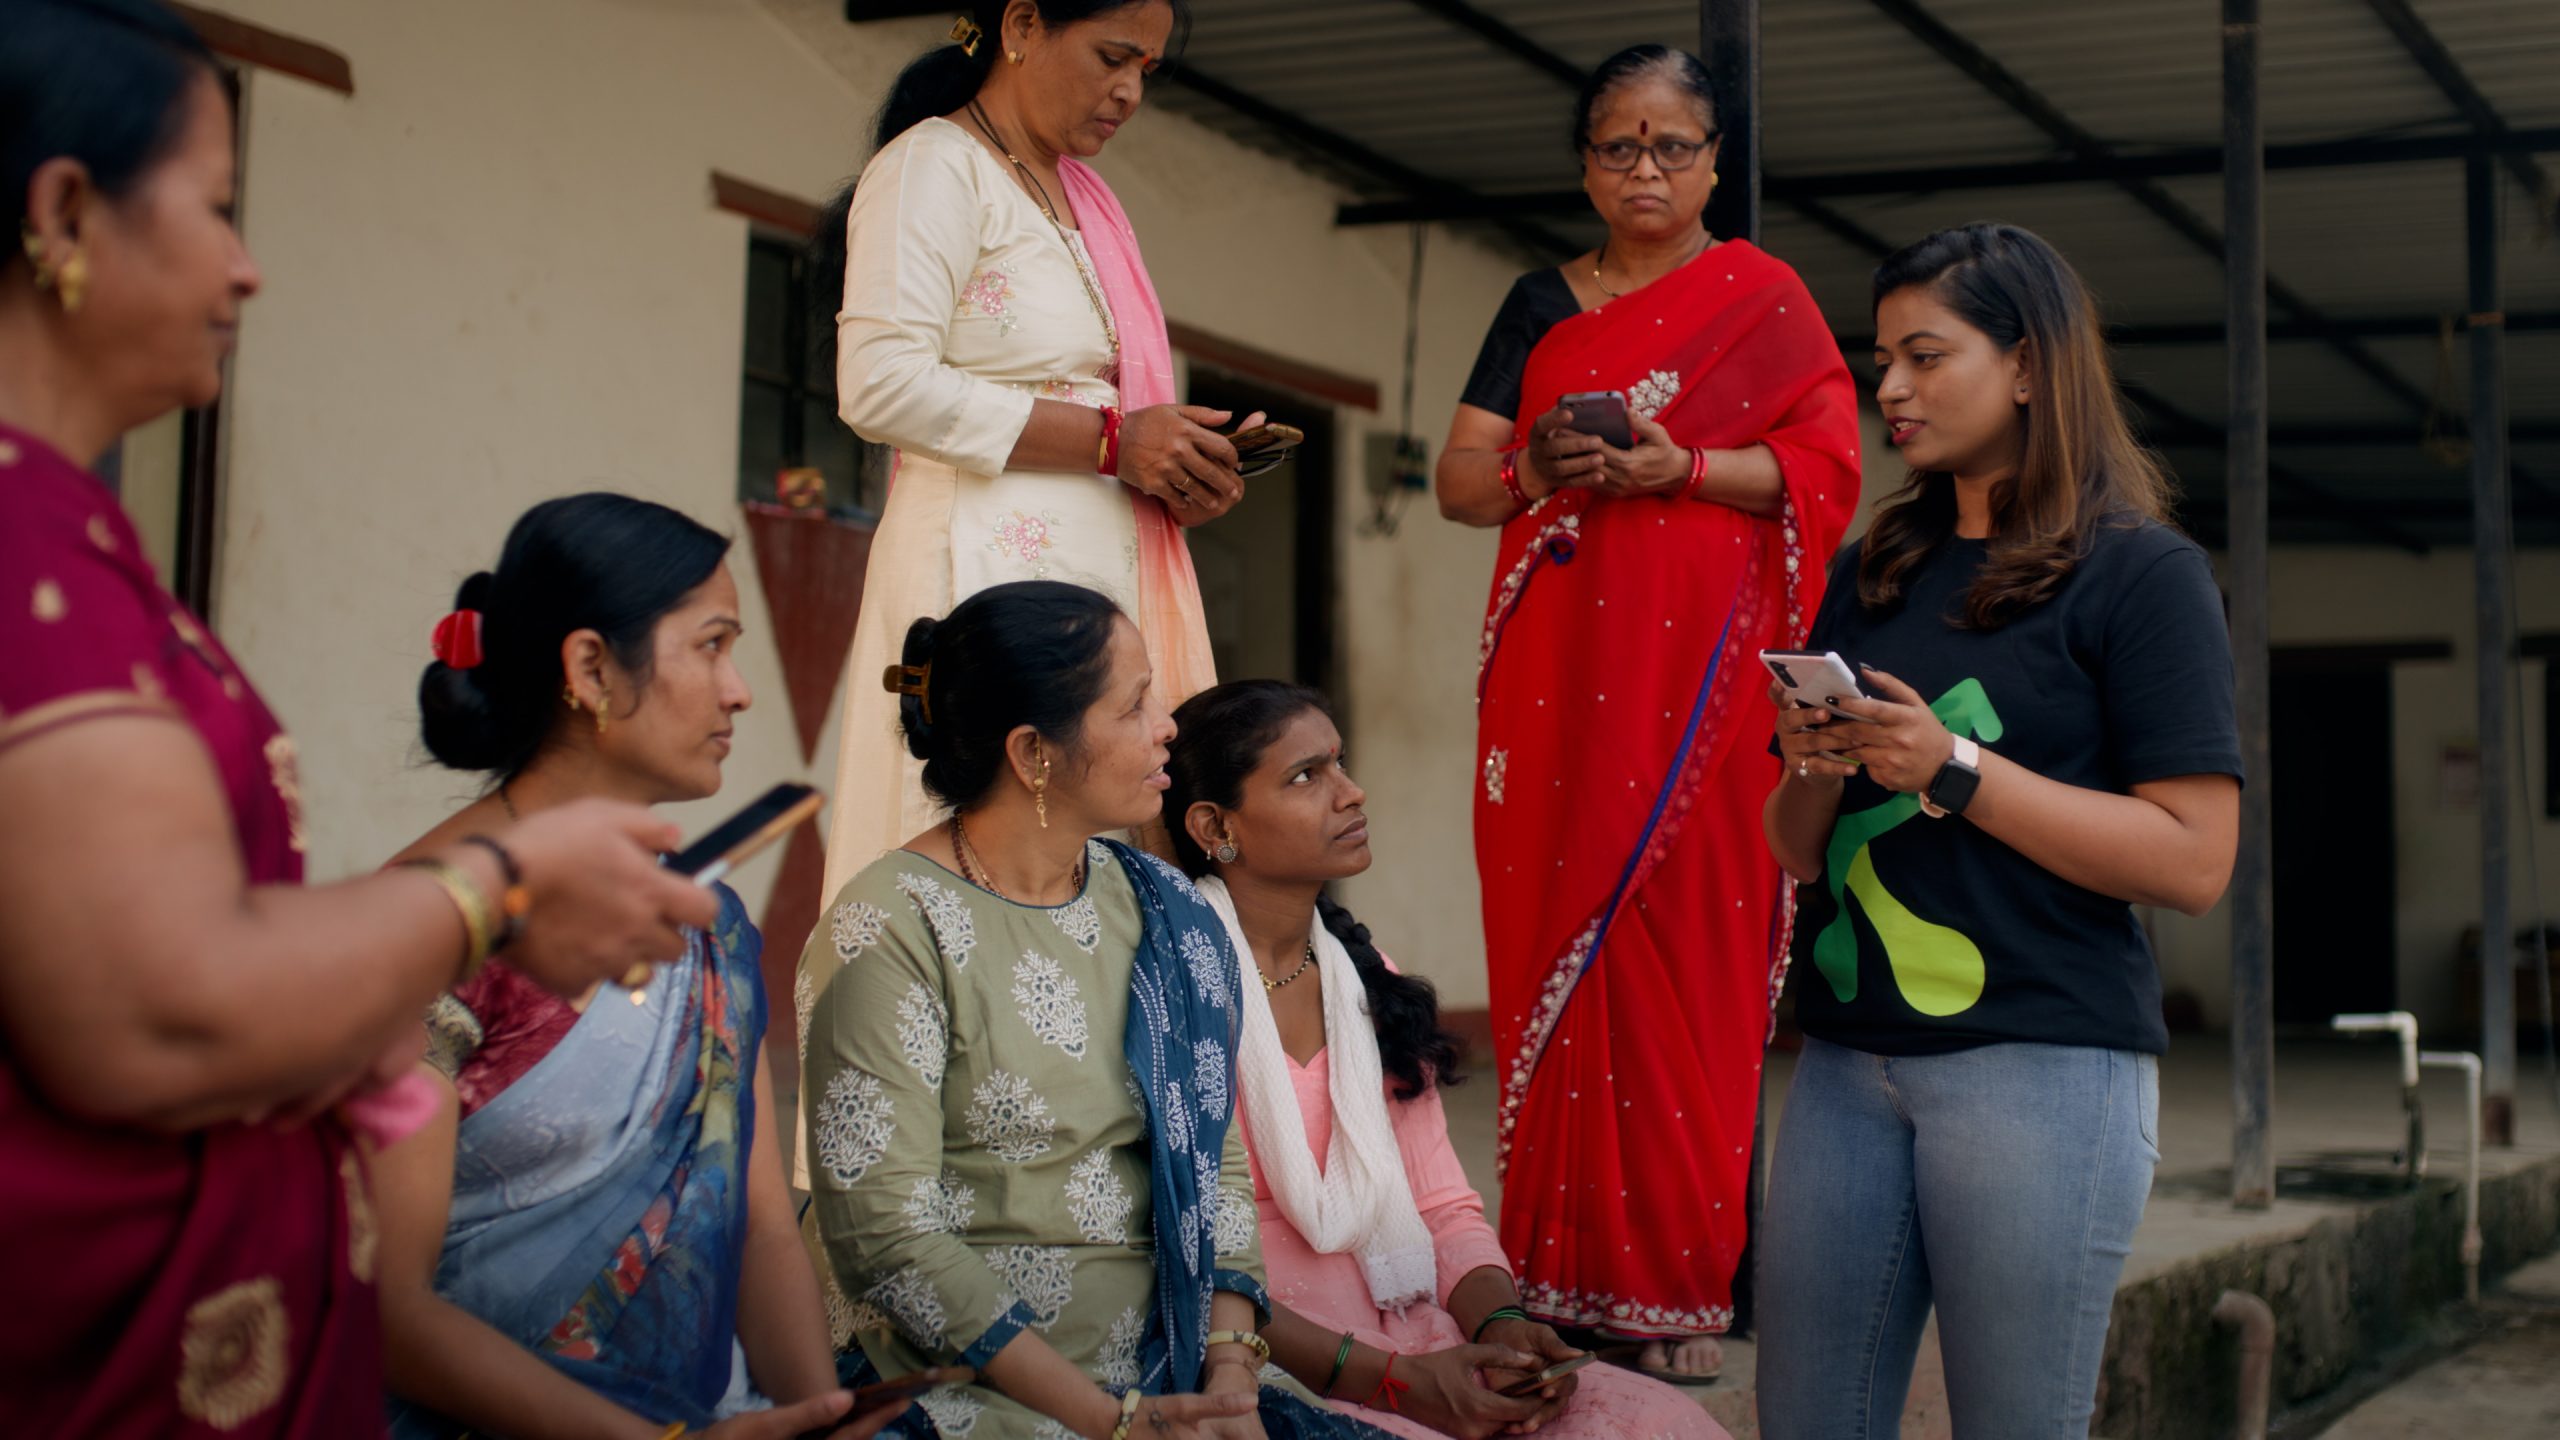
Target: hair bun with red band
(457, 639)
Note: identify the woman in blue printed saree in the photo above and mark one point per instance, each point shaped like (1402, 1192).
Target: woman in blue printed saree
(586, 1239)
(1020, 1059)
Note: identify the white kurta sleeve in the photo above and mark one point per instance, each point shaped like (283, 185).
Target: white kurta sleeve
(911, 244)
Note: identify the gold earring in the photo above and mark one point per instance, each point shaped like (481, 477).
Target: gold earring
(604, 708)
(570, 694)
(1040, 792)
(1226, 853)
(1014, 56)
(72, 285)
(69, 281)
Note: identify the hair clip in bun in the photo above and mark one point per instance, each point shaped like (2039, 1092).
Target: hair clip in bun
(456, 641)
(966, 34)
(911, 680)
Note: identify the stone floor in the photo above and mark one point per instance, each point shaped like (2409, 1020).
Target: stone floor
(2337, 1110)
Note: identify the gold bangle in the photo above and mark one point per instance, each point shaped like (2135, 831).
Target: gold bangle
(674, 1428)
(1129, 1402)
(479, 919)
(1245, 1338)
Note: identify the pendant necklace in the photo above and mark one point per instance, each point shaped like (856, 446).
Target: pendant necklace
(1110, 372)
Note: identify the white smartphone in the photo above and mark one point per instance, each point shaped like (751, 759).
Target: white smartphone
(1814, 677)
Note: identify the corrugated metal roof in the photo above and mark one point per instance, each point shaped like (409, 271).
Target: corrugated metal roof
(1845, 87)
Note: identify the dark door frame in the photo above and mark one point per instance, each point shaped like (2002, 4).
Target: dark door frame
(1315, 618)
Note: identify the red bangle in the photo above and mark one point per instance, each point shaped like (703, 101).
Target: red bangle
(1389, 1387)
(1697, 473)
(1511, 481)
(1109, 464)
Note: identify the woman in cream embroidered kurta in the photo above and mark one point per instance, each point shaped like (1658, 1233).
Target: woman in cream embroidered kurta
(978, 1154)
(963, 305)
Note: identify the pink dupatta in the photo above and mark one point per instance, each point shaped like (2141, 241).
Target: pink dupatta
(1176, 628)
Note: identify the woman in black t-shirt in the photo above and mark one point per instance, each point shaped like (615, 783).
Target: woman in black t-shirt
(1974, 1121)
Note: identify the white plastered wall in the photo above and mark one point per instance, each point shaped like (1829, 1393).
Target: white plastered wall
(493, 275)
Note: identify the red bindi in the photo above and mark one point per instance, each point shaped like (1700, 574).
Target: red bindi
(1643, 128)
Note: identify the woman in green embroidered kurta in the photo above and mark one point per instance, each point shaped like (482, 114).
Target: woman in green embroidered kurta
(1018, 1058)
(974, 1137)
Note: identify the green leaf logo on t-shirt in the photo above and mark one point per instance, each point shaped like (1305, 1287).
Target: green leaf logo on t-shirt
(1938, 970)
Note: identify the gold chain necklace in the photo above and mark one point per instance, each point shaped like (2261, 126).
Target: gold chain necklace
(975, 872)
(1603, 258)
(1269, 984)
(1075, 252)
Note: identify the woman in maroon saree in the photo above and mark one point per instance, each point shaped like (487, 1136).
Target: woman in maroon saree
(1634, 924)
(184, 1219)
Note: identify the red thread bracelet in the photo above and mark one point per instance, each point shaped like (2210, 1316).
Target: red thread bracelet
(1389, 1387)
(1110, 461)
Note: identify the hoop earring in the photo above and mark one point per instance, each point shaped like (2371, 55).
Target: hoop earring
(1040, 792)
(1226, 853)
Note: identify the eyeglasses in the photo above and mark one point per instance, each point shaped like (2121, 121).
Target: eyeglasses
(1668, 155)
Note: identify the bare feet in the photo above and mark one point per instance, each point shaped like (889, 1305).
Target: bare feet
(1690, 1359)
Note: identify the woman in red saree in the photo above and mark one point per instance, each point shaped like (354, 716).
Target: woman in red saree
(1634, 924)
(184, 1216)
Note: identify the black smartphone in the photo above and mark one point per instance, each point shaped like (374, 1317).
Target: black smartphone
(1548, 1376)
(1602, 413)
(741, 836)
(1265, 448)
(889, 1392)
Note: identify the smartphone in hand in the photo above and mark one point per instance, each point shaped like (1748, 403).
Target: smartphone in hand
(1600, 413)
(1816, 678)
(1546, 1377)
(740, 837)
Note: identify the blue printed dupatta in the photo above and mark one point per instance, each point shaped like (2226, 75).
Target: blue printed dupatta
(1185, 1013)
(599, 1202)
(1184, 1016)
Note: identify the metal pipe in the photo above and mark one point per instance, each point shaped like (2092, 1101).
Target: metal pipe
(2493, 591)
(2413, 1115)
(2244, 309)
(2249, 1315)
(2469, 1065)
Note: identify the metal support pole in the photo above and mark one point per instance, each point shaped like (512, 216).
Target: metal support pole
(2244, 298)
(2492, 590)
(1729, 41)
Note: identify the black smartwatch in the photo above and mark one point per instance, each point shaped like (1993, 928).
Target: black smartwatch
(1952, 789)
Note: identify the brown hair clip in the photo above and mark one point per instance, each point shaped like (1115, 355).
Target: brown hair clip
(911, 680)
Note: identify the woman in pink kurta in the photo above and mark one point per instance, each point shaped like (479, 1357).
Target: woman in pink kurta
(1390, 1290)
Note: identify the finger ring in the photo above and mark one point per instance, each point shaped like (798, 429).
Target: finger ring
(1155, 1417)
(1801, 772)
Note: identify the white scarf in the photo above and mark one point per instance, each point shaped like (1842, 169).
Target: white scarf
(1361, 1199)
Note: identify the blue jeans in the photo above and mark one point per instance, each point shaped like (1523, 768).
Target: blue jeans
(2001, 1184)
